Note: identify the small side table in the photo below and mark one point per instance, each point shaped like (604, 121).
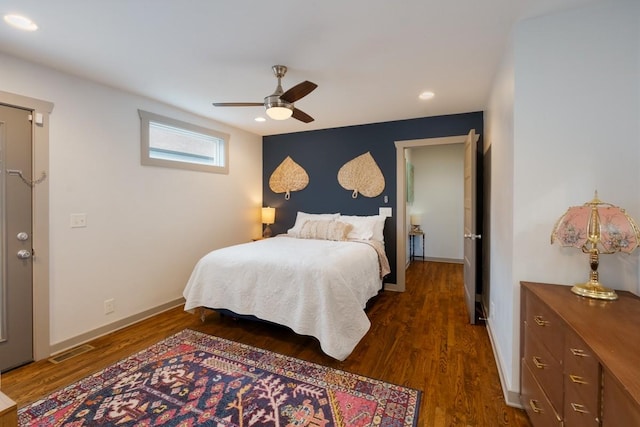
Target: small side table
(412, 237)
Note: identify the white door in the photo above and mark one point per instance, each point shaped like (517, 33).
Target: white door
(16, 267)
(471, 239)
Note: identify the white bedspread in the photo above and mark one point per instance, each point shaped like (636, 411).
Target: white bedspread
(315, 287)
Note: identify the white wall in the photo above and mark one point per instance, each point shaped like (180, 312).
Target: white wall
(575, 79)
(439, 199)
(147, 226)
(499, 138)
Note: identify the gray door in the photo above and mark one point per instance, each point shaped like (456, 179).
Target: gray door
(470, 236)
(16, 273)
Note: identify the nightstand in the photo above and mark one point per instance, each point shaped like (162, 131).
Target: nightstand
(412, 236)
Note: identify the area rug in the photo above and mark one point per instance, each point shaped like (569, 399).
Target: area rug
(192, 379)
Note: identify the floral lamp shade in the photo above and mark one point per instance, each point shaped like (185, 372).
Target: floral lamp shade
(596, 228)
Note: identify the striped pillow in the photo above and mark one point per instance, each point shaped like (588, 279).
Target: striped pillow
(325, 230)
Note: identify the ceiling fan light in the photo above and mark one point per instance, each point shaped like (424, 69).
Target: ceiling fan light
(279, 113)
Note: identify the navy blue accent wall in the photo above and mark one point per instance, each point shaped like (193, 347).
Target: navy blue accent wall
(323, 152)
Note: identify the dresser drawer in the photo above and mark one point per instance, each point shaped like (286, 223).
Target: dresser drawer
(581, 376)
(578, 410)
(540, 411)
(545, 368)
(545, 325)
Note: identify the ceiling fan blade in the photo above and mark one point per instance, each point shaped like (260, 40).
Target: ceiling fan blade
(302, 116)
(238, 104)
(298, 91)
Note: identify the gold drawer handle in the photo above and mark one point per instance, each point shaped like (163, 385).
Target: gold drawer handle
(577, 379)
(540, 321)
(538, 363)
(534, 406)
(579, 408)
(578, 352)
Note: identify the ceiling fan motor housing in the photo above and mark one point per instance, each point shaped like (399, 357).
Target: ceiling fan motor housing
(275, 101)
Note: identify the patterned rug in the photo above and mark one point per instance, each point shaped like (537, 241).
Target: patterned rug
(192, 379)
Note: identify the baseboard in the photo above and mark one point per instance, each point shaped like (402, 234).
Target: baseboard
(511, 398)
(112, 327)
(391, 287)
(449, 260)
(434, 259)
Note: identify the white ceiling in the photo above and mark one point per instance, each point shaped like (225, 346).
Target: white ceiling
(370, 58)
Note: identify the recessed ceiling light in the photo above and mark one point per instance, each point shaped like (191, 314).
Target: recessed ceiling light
(427, 95)
(260, 119)
(21, 22)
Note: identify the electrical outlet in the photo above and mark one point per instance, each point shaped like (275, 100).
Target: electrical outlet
(493, 310)
(109, 306)
(78, 220)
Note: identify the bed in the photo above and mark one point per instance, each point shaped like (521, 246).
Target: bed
(316, 279)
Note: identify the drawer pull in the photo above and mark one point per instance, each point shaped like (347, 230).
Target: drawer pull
(578, 352)
(538, 364)
(534, 406)
(540, 321)
(577, 379)
(579, 408)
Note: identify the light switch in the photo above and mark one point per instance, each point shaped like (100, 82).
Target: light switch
(386, 212)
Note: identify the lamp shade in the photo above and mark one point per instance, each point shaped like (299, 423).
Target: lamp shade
(279, 113)
(268, 215)
(607, 227)
(415, 219)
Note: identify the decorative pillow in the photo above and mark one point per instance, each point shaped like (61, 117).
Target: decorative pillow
(303, 217)
(325, 230)
(365, 227)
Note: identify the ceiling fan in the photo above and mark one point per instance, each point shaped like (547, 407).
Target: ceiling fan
(279, 104)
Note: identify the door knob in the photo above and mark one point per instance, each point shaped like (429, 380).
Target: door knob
(23, 254)
(472, 236)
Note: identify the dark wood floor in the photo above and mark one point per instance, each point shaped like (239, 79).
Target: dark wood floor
(420, 338)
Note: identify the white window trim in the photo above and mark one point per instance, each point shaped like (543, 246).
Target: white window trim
(146, 160)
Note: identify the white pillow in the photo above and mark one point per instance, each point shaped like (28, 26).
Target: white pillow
(325, 230)
(303, 217)
(378, 228)
(365, 227)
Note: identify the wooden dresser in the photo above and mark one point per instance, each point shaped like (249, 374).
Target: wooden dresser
(580, 358)
(8, 412)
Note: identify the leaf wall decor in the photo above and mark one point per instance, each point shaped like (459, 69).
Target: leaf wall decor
(362, 175)
(287, 177)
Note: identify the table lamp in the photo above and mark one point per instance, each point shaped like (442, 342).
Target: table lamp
(596, 228)
(268, 218)
(415, 220)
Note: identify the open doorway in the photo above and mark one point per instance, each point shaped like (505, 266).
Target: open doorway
(435, 207)
(403, 220)
(403, 211)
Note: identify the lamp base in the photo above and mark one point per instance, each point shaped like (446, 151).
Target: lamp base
(594, 290)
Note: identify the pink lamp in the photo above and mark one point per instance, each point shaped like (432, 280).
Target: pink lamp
(596, 228)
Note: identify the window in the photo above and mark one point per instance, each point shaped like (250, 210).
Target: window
(174, 144)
